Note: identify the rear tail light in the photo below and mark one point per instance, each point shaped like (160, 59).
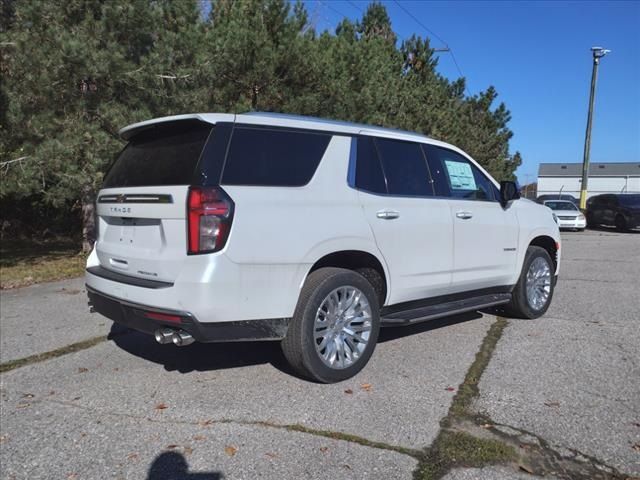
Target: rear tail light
(209, 216)
(163, 317)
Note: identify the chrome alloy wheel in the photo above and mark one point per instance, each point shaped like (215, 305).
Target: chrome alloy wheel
(538, 283)
(342, 327)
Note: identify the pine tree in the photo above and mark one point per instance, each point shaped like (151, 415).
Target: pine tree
(74, 72)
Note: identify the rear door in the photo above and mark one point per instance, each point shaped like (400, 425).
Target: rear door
(142, 206)
(485, 234)
(412, 229)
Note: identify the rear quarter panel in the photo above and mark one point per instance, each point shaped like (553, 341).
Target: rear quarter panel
(285, 230)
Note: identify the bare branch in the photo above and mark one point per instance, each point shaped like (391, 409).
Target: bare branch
(174, 77)
(2, 164)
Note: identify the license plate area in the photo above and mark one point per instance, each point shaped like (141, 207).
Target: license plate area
(138, 233)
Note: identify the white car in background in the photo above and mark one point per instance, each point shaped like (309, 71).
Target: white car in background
(567, 214)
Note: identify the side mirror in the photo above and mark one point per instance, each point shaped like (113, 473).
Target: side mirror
(508, 191)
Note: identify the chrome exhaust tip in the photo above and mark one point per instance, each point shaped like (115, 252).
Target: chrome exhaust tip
(182, 338)
(164, 335)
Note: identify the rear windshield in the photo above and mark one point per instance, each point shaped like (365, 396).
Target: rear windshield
(163, 155)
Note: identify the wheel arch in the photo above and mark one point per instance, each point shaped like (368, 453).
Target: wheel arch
(550, 245)
(357, 260)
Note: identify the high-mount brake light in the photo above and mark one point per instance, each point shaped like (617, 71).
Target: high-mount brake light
(209, 216)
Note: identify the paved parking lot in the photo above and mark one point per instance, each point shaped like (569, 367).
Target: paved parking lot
(126, 407)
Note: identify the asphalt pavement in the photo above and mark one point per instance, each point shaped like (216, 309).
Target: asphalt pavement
(130, 408)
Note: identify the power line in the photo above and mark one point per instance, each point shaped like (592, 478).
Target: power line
(335, 10)
(438, 37)
(355, 6)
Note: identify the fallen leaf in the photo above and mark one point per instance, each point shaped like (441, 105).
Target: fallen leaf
(161, 406)
(171, 447)
(205, 423)
(348, 391)
(271, 455)
(450, 389)
(636, 447)
(82, 370)
(3, 438)
(188, 451)
(23, 405)
(230, 450)
(637, 424)
(133, 456)
(52, 392)
(346, 466)
(324, 449)
(76, 398)
(525, 468)
(28, 395)
(72, 476)
(552, 404)
(366, 387)
(197, 438)
(487, 425)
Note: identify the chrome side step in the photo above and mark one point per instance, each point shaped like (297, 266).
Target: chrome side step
(431, 312)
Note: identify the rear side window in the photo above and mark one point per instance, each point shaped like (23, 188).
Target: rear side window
(405, 168)
(273, 157)
(369, 176)
(464, 179)
(167, 154)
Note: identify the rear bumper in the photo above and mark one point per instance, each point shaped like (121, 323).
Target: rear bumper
(133, 315)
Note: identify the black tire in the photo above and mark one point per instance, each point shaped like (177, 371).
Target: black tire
(299, 344)
(621, 223)
(519, 307)
(591, 223)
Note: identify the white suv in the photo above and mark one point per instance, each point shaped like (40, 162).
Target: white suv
(221, 227)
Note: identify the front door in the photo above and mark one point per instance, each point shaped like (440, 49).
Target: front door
(485, 234)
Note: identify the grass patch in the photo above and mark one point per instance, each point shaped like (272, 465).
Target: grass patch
(468, 390)
(74, 347)
(25, 262)
(341, 436)
(459, 449)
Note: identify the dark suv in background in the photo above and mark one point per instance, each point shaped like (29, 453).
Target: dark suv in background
(621, 210)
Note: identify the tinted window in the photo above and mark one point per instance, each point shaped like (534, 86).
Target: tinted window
(272, 157)
(163, 155)
(369, 174)
(405, 168)
(465, 180)
(629, 200)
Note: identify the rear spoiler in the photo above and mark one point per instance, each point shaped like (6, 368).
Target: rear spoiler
(131, 130)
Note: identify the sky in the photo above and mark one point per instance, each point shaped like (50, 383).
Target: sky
(537, 56)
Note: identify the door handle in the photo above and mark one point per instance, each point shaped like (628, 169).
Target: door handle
(387, 214)
(464, 215)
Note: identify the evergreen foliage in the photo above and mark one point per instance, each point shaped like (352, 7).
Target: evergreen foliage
(74, 72)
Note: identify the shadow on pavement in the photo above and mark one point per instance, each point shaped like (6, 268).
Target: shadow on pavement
(611, 229)
(173, 466)
(219, 356)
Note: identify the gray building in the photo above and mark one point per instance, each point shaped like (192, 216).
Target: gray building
(554, 178)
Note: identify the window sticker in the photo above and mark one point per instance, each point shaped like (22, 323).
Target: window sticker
(460, 175)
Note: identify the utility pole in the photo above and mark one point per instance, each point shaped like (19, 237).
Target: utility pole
(598, 53)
